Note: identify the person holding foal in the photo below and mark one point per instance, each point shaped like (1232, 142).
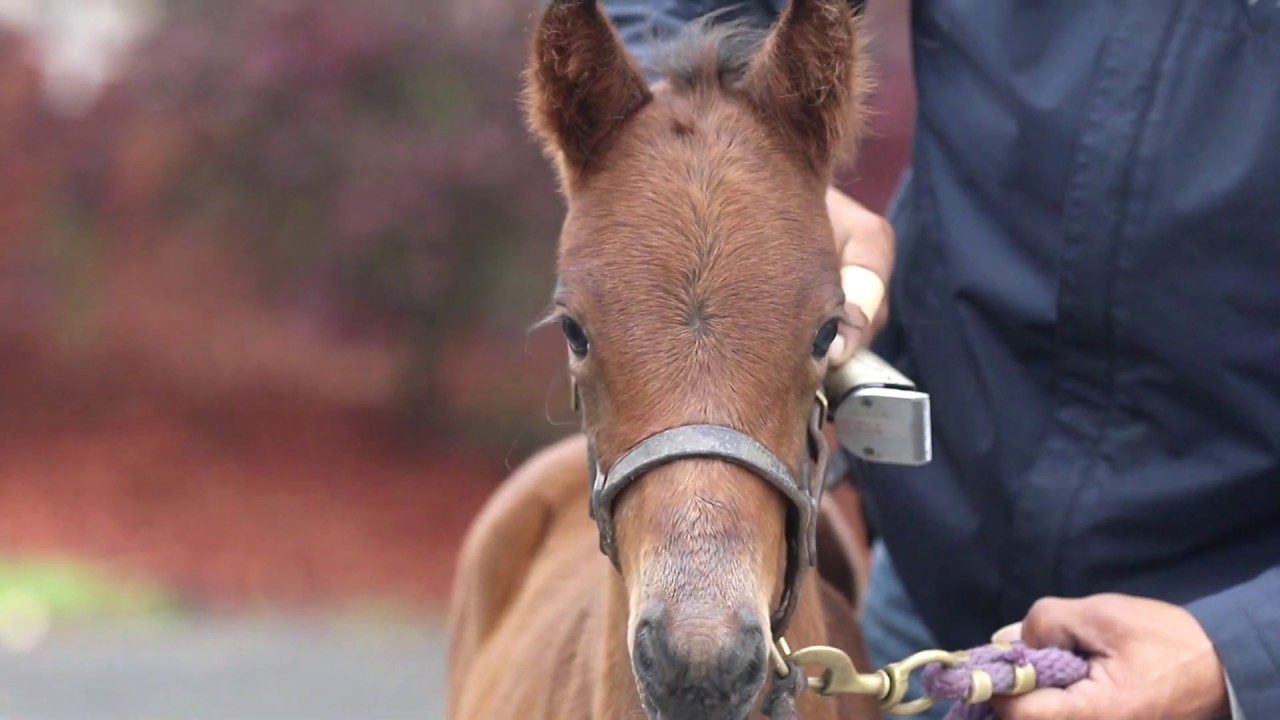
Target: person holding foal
(1086, 283)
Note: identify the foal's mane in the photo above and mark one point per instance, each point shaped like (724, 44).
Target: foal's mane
(709, 54)
(715, 53)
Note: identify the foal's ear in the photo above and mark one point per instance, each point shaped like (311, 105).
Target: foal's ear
(581, 83)
(809, 78)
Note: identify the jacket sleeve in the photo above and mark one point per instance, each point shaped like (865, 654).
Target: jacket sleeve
(645, 25)
(1244, 624)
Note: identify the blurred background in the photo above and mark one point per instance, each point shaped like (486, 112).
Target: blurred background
(266, 273)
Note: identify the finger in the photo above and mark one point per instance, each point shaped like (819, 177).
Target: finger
(840, 351)
(1047, 704)
(865, 244)
(870, 244)
(863, 294)
(862, 237)
(863, 289)
(881, 319)
(852, 335)
(869, 302)
(1008, 634)
(1071, 624)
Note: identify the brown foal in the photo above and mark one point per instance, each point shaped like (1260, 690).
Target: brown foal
(698, 283)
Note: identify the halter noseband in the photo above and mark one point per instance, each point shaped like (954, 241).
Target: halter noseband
(724, 443)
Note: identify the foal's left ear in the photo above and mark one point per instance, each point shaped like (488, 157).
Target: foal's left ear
(810, 77)
(581, 83)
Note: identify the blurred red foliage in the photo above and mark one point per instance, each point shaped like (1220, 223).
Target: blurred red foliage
(263, 306)
(219, 285)
(365, 163)
(265, 500)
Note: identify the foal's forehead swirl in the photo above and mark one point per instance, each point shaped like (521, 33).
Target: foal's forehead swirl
(698, 202)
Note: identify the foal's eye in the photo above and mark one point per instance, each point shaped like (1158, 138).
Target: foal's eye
(826, 335)
(576, 336)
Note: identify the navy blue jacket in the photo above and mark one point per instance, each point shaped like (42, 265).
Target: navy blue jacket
(1088, 284)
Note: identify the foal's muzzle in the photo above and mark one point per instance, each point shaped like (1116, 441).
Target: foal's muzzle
(716, 674)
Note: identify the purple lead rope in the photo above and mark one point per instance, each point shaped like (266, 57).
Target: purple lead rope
(1054, 668)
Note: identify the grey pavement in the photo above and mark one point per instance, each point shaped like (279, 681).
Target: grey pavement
(228, 669)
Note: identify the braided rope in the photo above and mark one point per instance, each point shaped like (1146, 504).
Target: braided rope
(1054, 667)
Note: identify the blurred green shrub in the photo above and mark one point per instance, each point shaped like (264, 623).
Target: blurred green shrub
(68, 589)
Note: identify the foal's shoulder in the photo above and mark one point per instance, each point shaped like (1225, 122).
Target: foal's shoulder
(504, 540)
(551, 478)
(508, 530)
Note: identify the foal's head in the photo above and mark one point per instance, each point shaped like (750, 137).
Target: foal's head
(698, 284)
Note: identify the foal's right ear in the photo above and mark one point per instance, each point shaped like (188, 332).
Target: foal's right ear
(810, 77)
(580, 85)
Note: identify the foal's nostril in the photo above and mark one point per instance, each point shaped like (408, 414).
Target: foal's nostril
(746, 660)
(699, 668)
(650, 645)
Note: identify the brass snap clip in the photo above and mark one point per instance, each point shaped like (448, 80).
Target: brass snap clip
(889, 685)
(899, 674)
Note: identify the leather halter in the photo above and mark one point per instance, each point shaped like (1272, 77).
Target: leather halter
(724, 443)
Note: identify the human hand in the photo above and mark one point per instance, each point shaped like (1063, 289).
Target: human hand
(865, 245)
(1149, 660)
